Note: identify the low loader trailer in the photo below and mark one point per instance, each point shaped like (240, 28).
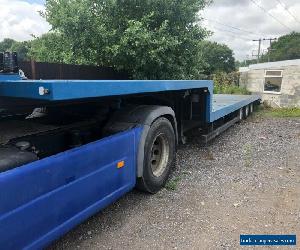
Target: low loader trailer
(69, 148)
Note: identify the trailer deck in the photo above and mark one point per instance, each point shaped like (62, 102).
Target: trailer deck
(226, 104)
(66, 90)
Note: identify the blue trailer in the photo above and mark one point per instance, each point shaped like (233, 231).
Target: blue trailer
(70, 148)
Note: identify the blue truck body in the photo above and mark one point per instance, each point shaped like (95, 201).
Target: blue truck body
(42, 200)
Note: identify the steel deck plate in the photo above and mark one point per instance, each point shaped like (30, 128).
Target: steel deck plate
(226, 104)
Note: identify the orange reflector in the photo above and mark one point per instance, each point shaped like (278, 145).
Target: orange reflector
(121, 164)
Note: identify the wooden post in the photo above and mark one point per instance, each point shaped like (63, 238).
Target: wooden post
(33, 72)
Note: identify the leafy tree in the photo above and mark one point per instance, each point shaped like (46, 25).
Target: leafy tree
(21, 48)
(218, 57)
(151, 39)
(6, 44)
(285, 48)
(51, 47)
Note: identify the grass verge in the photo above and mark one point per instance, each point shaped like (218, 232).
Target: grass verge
(279, 112)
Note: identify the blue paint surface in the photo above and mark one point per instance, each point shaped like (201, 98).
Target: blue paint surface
(268, 240)
(9, 77)
(217, 106)
(223, 105)
(60, 90)
(43, 200)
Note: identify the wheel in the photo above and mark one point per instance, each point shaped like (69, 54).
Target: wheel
(247, 109)
(159, 155)
(251, 108)
(241, 114)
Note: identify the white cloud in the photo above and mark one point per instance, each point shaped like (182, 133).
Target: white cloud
(20, 19)
(247, 16)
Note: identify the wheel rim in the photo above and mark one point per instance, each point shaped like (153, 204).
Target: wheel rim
(159, 155)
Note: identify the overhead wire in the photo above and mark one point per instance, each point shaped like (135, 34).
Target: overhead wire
(232, 27)
(242, 36)
(276, 19)
(235, 34)
(287, 10)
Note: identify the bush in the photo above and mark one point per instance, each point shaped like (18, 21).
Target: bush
(228, 83)
(230, 89)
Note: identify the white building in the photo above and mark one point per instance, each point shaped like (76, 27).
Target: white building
(278, 83)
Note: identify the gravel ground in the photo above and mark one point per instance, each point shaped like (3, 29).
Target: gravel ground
(247, 181)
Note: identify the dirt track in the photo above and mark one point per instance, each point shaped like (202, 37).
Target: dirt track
(247, 181)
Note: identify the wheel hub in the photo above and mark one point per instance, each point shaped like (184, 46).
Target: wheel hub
(159, 155)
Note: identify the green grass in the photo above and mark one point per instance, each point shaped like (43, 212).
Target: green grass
(172, 184)
(230, 89)
(285, 112)
(279, 112)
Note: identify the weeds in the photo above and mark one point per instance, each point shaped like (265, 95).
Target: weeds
(228, 83)
(172, 184)
(285, 112)
(230, 89)
(265, 110)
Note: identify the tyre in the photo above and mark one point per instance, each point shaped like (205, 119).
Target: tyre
(251, 108)
(241, 114)
(159, 155)
(247, 111)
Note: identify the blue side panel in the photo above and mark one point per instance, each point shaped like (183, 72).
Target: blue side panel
(223, 105)
(60, 90)
(43, 200)
(9, 77)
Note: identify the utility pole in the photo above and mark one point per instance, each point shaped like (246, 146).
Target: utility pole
(259, 48)
(270, 48)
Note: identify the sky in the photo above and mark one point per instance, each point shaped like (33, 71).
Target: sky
(234, 22)
(238, 22)
(20, 20)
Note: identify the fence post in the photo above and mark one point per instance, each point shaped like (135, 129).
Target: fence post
(33, 72)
